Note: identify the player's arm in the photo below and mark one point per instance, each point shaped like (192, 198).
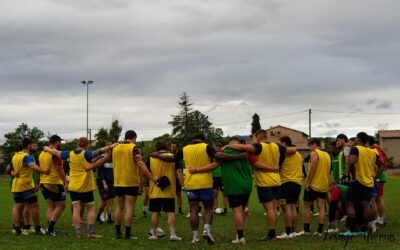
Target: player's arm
(180, 176)
(313, 168)
(241, 147)
(52, 151)
(163, 157)
(380, 167)
(291, 150)
(352, 162)
(137, 157)
(36, 168)
(221, 156)
(98, 163)
(265, 168)
(204, 169)
(103, 150)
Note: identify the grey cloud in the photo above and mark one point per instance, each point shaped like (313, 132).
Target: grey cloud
(384, 105)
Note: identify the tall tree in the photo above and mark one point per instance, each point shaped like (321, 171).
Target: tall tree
(255, 124)
(115, 131)
(187, 122)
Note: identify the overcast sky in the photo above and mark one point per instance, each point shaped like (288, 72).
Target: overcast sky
(233, 58)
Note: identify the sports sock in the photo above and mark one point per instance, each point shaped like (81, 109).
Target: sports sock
(240, 233)
(307, 227)
(128, 231)
(90, 228)
(320, 227)
(288, 230)
(195, 234)
(272, 233)
(51, 226)
(172, 231)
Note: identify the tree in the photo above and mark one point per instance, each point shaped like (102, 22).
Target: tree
(115, 131)
(13, 139)
(255, 124)
(103, 135)
(187, 123)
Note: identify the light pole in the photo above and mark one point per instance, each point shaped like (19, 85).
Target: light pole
(87, 83)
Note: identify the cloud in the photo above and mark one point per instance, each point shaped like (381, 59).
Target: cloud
(233, 58)
(384, 105)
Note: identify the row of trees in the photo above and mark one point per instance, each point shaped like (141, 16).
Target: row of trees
(184, 124)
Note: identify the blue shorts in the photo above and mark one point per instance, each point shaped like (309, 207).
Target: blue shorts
(374, 192)
(200, 194)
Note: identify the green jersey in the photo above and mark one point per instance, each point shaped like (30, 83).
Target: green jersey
(335, 168)
(217, 172)
(236, 175)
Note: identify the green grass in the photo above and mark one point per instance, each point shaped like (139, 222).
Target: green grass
(222, 230)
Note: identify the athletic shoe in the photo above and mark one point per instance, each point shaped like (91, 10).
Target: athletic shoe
(240, 241)
(31, 230)
(317, 234)
(207, 235)
(40, 231)
(153, 237)
(24, 232)
(332, 230)
(174, 238)
(78, 236)
(343, 219)
(293, 235)
(94, 236)
(13, 231)
(195, 240)
(285, 236)
(199, 214)
(303, 233)
(51, 233)
(372, 226)
(267, 237)
(316, 214)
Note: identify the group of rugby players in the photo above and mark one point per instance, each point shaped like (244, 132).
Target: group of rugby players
(350, 180)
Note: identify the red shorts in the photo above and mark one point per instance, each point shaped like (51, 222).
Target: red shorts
(380, 189)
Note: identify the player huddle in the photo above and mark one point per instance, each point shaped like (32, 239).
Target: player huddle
(350, 179)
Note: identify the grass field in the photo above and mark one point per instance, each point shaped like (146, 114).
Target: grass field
(222, 230)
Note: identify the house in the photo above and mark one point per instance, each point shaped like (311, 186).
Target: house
(389, 141)
(299, 138)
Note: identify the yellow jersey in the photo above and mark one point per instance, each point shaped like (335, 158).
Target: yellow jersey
(161, 168)
(292, 169)
(270, 156)
(24, 181)
(195, 155)
(46, 162)
(80, 181)
(320, 181)
(366, 168)
(124, 166)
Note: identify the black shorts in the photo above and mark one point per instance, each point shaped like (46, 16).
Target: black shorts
(27, 196)
(60, 195)
(178, 186)
(82, 197)
(217, 183)
(290, 192)
(130, 191)
(238, 200)
(312, 195)
(106, 195)
(165, 204)
(358, 192)
(268, 194)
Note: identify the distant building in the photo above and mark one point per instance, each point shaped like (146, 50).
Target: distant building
(389, 140)
(299, 138)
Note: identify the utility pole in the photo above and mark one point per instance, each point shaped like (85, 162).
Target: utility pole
(87, 83)
(309, 123)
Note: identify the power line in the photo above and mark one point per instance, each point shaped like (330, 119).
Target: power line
(354, 112)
